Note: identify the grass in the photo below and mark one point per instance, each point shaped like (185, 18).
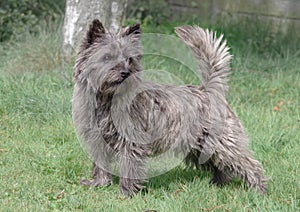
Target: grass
(42, 161)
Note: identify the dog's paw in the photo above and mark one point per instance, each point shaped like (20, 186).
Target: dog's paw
(129, 187)
(127, 192)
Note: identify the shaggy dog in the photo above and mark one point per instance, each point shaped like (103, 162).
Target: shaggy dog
(119, 115)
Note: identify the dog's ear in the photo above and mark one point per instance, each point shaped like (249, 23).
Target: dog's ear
(96, 31)
(134, 30)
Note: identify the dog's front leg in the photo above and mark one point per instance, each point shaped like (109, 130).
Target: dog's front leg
(132, 173)
(101, 155)
(101, 177)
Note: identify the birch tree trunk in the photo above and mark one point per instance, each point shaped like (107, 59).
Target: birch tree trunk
(80, 13)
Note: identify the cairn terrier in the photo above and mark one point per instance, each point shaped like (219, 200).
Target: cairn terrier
(118, 114)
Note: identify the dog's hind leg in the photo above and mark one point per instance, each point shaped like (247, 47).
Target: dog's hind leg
(233, 158)
(220, 177)
(193, 159)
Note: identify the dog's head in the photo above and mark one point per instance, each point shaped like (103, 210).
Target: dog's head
(105, 59)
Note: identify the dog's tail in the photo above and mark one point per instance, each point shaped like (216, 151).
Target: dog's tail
(213, 57)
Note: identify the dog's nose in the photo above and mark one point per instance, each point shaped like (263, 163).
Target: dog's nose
(124, 73)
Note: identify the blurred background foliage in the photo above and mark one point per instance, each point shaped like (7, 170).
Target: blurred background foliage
(19, 17)
(153, 12)
(44, 18)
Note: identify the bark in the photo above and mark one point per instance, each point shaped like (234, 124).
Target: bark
(80, 13)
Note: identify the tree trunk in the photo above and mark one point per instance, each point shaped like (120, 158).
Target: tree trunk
(80, 13)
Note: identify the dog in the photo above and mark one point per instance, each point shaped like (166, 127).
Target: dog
(119, 115)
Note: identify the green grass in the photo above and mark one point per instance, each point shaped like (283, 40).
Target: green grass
(42, 161)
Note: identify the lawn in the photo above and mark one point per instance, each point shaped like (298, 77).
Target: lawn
(42, 160)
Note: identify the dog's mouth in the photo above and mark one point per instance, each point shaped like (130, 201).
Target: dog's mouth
(123, 78)
(118, 82)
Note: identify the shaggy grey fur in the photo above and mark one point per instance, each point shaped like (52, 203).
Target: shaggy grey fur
(119, 115)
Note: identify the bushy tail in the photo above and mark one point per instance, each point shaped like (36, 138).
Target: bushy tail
(213, 57)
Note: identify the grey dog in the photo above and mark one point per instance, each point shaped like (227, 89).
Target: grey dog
(118, 114)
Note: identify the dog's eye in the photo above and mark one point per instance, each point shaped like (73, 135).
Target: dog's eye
(106, 58)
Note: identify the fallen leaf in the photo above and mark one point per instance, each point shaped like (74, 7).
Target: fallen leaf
(61, 194)
(280, 103)
(275, 108)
